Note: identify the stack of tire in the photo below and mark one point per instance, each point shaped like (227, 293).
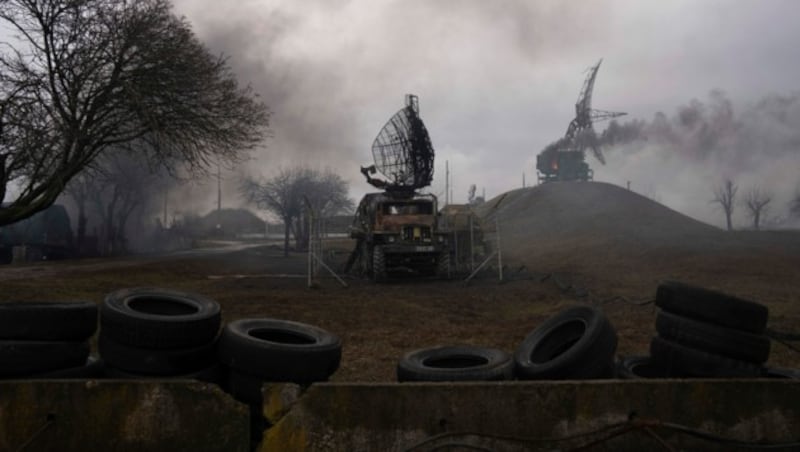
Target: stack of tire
(47, 340)
(153, 332)
(260, 350)
(577, 343)
(707, 334)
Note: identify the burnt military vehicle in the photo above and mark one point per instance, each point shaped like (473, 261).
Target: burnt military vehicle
(397, 230)
(565, 160)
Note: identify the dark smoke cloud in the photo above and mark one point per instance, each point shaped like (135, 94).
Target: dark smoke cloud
(704, 142)
(498, 80)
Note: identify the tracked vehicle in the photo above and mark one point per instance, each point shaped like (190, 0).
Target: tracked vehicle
(397, 230)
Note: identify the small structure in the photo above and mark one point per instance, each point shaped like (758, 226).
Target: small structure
(45, 235)
(565, 160)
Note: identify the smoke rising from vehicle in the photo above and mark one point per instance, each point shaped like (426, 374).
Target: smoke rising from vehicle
(498, 83)
(682, 156)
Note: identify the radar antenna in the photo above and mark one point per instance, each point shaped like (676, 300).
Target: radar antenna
(565, 159)
(402, 152)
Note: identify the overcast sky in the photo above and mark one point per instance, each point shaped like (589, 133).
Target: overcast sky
(497, 82)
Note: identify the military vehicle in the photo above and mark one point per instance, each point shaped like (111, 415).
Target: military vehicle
(397, 230)
(565, 160)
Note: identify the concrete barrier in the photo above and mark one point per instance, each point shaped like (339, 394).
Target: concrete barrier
(515, 416)
(98, 415)
(118, 415)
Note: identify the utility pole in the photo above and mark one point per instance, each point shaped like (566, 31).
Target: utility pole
(219, 189)
(523, 179)
(446, 182)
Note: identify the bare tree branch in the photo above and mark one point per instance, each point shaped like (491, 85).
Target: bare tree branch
(756, 202)
(86, 77)
(725, 196)
(284, 194)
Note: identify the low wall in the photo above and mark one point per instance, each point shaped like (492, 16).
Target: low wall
(512, 416)
(88, 415)
(114, 415)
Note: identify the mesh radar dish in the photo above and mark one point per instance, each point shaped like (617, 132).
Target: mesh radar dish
(402, 151)
(565, 158)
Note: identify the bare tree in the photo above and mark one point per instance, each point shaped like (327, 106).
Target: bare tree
(83, 77)
(725, 195)
(112, 189)
(756, 202)
(794, 204)
(285, 193)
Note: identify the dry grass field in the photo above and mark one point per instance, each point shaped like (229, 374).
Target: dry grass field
(612, 256)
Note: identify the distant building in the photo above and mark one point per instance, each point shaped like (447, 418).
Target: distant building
(229, 223)
(45, 235)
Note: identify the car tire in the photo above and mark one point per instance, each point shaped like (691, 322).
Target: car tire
(720, 340)
(712, 306)
(24, 358)
(214, 374)
(378, 264)
(48, 321)
(245, 387)
(93, 368)
(638, 367)
(280, 350)
(781, 372)
(159, 318)
(577, 343)
(455, 363)
(680, 360)
(443, 265)
(147, 361)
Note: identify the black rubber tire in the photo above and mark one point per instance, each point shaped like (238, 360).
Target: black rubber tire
(577, 343)
(149, 361)
(712, 306)
(443, 265)
(455, 363)
(280, 350)
(244, 387)
(679, 360)
(48, 321)
(781, 372)
(720, 340)
(378, 264)
(93, 368)
(216, 374)
(24, 358)
(159, 318)
(638, 367)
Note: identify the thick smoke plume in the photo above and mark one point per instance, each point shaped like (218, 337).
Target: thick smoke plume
(679, 158)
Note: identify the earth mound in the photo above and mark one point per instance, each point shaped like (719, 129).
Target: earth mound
(574, 218)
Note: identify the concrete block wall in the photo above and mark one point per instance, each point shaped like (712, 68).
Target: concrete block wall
(120, 416)
(523, 416)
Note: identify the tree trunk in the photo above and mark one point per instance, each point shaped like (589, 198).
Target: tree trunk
(756, 219)
(287, 224)
(81, 238)
(728, 217)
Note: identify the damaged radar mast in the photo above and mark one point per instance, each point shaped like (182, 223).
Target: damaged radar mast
(565, 159)
(402, 152)
(397, 230)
